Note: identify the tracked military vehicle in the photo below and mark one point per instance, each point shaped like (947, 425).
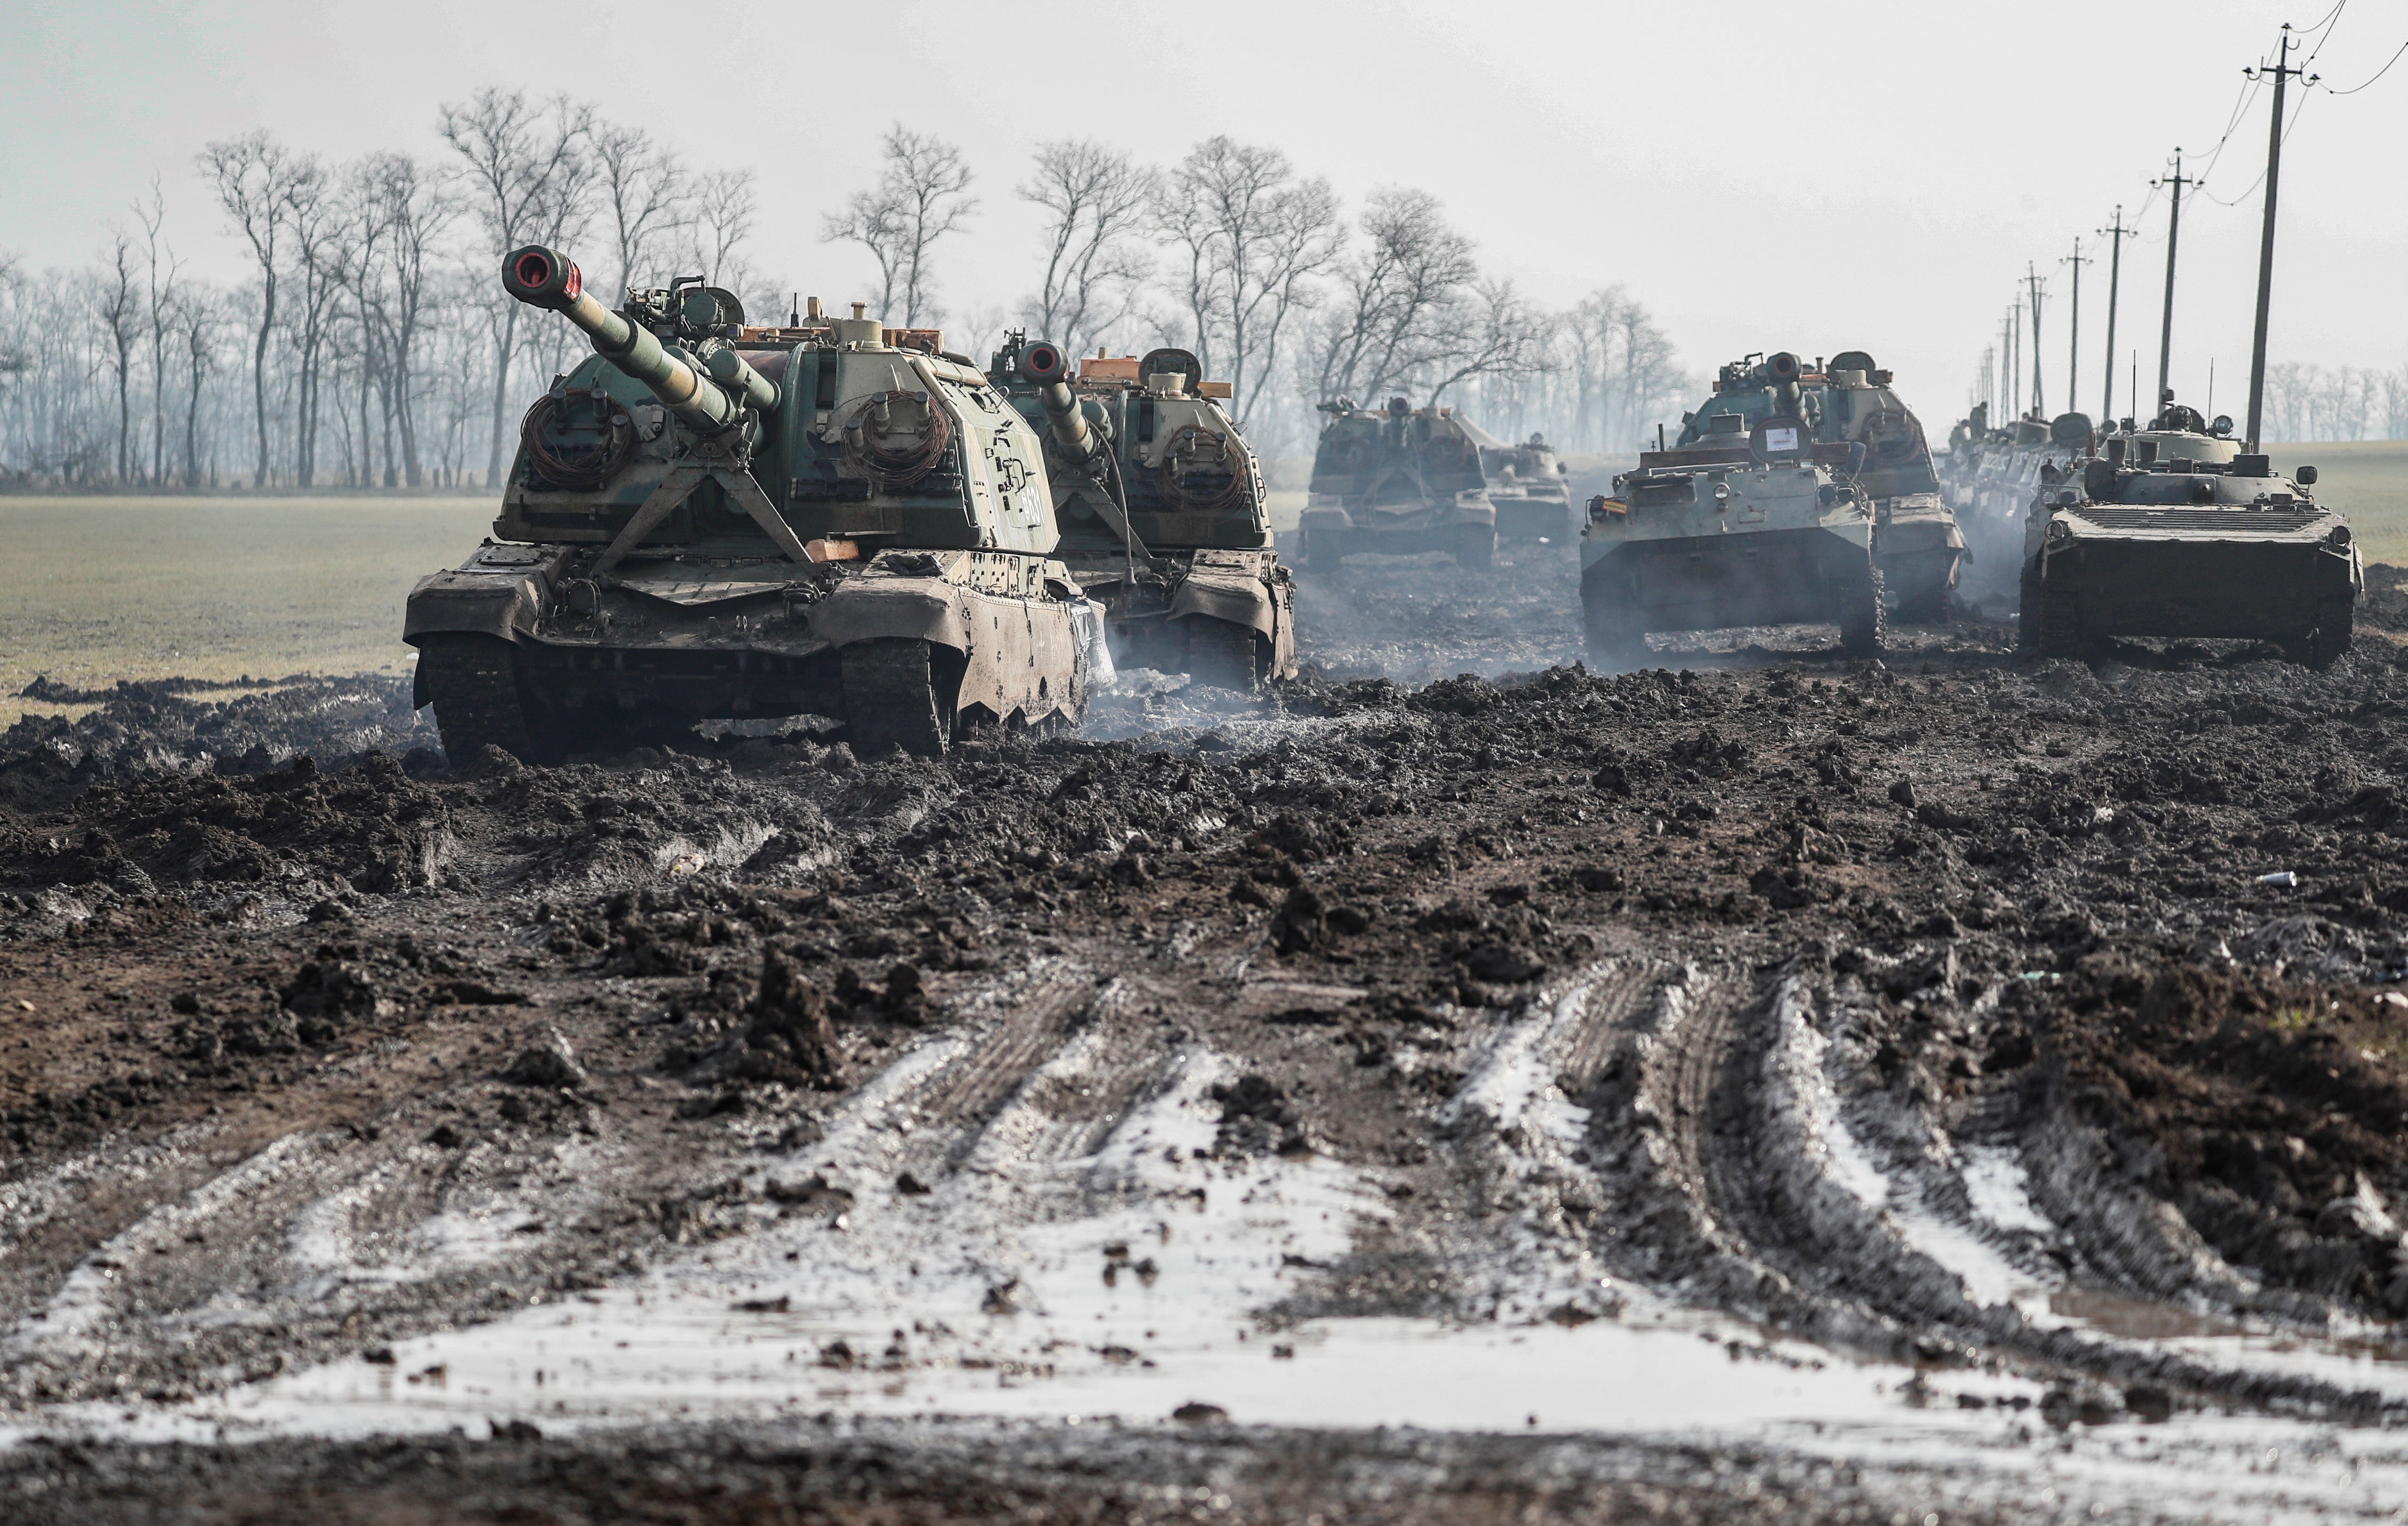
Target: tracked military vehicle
(2001, 473)
(1162, 509)
(1528, 486)
(1741, 526)
(2176, 530)
(711, 519)
(1399, 481)
(1916, 540)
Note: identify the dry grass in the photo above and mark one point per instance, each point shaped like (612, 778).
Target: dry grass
(97, 589)
(2366, 479)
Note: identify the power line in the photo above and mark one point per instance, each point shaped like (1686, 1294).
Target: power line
(2378, 74)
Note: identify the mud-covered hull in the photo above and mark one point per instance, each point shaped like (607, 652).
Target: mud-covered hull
(1226, 617)
(1536, 516)
(1713, 583)
(2200, 572)
(668, 641)
(1920, 549)
(1465, 528)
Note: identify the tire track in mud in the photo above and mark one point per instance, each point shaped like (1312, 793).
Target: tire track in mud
(1726, 1170)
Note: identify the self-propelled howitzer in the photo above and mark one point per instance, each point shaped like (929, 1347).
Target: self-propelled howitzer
(710, 519)
(1162, 509)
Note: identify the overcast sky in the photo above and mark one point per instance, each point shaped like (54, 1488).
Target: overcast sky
(1765, 175)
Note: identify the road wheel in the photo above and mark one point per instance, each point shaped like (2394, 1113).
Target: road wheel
(891, 699)
(472, 681)
(1475, 546)
(1862, 621)
(2336, 619)
(1221, 655)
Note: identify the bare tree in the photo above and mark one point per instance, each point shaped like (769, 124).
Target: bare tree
(724, 205)
(251, 175)
(921, 196)
(413, 208)
(647, 193)
(1397, 297)
(1254, 236)
(1097, 198)
(120, 316)
(320, 254)
(524, 163)
(196, 322)
(1495, 333)
(153, 217)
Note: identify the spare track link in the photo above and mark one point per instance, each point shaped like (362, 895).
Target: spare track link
(472, 681)
(890, 699)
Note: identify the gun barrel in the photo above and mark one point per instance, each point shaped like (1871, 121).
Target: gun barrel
(1068, 421)
(542, 278)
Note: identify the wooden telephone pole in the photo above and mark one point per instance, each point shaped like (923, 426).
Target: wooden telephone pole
(2174, 236)
(2115, 277)
(2282, 71)
(2073, 356)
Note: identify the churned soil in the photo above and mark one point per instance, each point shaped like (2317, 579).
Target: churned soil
(2135, 924)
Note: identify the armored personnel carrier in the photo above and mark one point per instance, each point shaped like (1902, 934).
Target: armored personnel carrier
(2001, 474)
(1741, 526)
(1162, 511)
(1849, 400)
(711, 519)
(1399, 481)
(1526, 483)
(2175, 530)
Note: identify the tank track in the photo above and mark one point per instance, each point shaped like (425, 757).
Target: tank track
(891, 699)
(1863, 622)
(472, 683)
(1221, 655)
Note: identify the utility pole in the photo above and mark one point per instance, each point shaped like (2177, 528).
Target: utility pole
(2073, 354)
(2039, 394)
(2115, 277)
(2173, 233)
(2282, 71)
(2015, 358)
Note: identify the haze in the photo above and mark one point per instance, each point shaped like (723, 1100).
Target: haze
(1763, 176)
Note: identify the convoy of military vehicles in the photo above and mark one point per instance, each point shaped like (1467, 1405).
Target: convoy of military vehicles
(710, 520)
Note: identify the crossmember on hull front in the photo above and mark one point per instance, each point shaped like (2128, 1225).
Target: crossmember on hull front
(1712, 582)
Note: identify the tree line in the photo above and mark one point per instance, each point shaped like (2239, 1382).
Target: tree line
(371, 346)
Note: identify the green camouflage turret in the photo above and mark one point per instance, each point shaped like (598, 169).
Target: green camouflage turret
(710, 519)
(1161, 505)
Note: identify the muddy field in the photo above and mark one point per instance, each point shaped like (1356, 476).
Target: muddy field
(1458, 1087)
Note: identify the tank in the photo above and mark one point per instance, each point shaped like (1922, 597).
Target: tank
(1743, 526)
(1528, 486)
(1917, 543)
(709, 519)
(1162, 509)
(2175, 530)
(1397, 480)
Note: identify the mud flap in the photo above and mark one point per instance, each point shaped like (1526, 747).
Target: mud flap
(1094, 651)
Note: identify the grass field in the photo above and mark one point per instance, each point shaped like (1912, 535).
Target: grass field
(94, 589)
(2366, 479)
